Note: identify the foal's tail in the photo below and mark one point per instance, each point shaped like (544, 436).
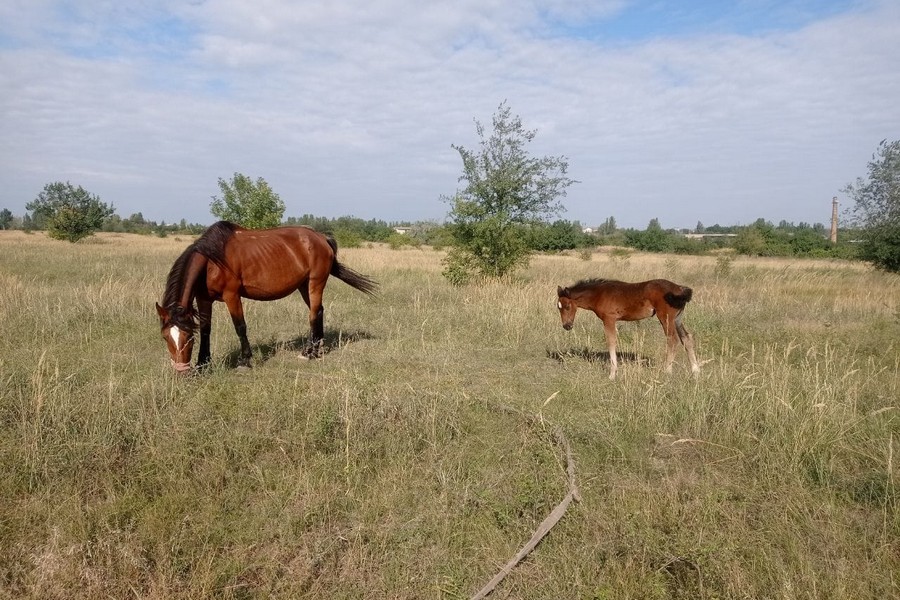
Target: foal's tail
(355, 280)
(679, 301)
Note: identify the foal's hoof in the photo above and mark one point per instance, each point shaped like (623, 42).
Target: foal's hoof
(312, 351)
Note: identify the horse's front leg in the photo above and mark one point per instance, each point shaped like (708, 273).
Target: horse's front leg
(609, 326)
(204, 308)
(236, 308)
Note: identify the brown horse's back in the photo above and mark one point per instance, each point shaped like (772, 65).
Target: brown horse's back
(269, 264)
(625, 301)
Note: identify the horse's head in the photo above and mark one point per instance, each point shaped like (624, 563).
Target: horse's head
(177, 327)
(566, 307)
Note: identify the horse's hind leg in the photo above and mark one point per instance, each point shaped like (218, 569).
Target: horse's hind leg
(687, 340)
(669, 325)
(311, 292)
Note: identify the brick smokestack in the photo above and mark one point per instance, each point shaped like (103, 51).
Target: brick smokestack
(834, 211)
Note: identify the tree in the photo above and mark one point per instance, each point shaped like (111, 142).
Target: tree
(6, 218)
(750, 241)
(505, 191)
(69, 213)
(608, 227)
(560, 235)
(249, 204)
(654, 239)
(877, 208)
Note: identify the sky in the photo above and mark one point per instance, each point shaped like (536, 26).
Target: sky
(710, 111)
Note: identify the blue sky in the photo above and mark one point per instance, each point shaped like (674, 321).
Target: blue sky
(643, 21)
(720, 112)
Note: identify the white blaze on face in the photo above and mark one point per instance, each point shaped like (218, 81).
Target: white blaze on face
(559, 305)
(175, 334)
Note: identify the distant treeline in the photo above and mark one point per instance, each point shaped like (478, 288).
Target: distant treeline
(761, 238)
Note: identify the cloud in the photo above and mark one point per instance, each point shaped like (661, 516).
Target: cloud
(349, 109)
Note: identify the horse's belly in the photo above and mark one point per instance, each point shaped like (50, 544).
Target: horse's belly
(266, 291)
(636, 313)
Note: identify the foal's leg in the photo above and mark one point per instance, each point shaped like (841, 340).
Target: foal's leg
(204, 309)
(668, 321)
(687, 340)
(236, 308)
(609, 327)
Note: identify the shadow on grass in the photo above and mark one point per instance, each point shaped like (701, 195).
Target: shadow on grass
(332, 341)
(596, 356)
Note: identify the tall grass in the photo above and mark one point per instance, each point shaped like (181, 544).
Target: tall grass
(392, 469)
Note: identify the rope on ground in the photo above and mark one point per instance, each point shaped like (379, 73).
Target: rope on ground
(548, 523)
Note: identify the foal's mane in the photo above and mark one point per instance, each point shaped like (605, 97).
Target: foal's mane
(210, 244)
(588, 285)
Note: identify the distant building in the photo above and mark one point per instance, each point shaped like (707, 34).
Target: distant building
(700, 236)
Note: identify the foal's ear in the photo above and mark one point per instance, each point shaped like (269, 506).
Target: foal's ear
(562, 292)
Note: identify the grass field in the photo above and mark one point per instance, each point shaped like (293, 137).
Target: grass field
(418, 456)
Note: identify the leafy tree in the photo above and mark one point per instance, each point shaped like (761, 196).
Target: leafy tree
(249, 204)
(560, 235)
(69, 213)
(505, 191)
(608, 227)
(877, 208)
(6, 218)
(751, 241)
(654, 239)
(807, 241)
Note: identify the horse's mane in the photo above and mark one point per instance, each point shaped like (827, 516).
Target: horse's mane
(210, 244)
(586, 285)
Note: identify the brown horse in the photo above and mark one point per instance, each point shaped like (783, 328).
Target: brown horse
(614, 301)
(227, 263)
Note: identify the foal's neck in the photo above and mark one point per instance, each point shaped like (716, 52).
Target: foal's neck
(585, 298)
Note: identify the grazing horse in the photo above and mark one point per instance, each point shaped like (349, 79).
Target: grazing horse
(614, 301)
(227, 263)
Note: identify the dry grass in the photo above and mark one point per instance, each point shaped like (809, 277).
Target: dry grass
(390, 469)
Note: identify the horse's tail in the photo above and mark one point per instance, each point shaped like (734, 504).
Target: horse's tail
(679, 301)
(355, 280)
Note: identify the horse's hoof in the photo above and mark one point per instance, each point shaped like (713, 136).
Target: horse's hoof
(313, 351)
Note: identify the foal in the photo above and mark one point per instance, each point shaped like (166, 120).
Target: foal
(614, 301)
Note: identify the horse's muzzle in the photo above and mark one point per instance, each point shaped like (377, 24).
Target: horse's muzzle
(567, 326)
(181, 367)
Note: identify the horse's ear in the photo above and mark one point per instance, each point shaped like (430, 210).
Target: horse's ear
(163, 313)
(562, 292)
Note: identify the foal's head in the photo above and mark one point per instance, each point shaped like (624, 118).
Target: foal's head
(177, 327)
(566, 307)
